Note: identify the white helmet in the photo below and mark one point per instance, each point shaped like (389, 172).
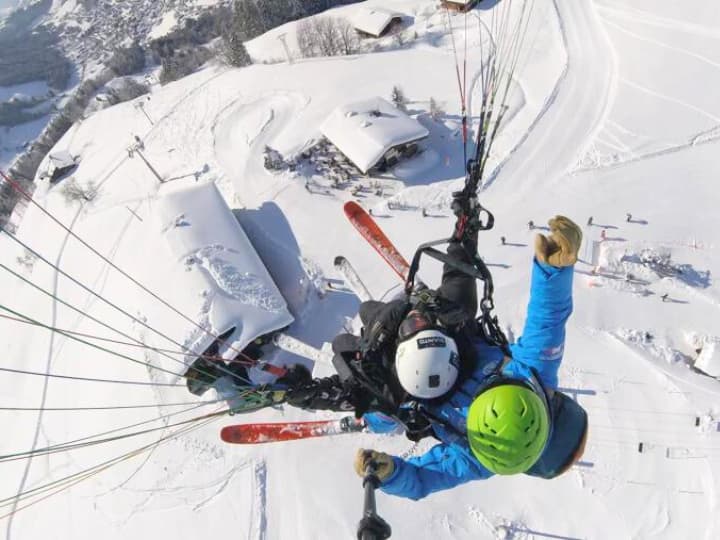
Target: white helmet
(427, 364)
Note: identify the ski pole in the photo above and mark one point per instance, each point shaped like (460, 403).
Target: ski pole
(372, 526)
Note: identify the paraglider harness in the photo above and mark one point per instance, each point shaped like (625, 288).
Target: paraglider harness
(369, 375)
(471, 218)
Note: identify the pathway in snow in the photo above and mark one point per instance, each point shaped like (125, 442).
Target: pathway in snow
(575, 111)
(51, 354)
(241, 133)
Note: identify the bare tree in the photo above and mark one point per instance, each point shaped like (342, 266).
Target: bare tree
(436, 111)
(347, 37)
(326, 36)
(72, 191)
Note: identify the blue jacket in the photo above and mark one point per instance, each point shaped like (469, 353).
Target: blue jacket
(541, 346)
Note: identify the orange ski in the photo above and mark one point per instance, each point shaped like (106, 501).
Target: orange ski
(369, 229)
(288, 431)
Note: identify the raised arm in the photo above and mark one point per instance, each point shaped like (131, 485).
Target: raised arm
(542, 343)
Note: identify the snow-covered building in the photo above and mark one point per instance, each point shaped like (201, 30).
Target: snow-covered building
(59, 164)
(459, 5)
(373, 134)
(219, 278)
(375, 22)
(708, 360)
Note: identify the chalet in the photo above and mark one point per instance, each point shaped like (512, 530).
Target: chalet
(373, 134)
(375, 22)
(459, 5)
(59, 165)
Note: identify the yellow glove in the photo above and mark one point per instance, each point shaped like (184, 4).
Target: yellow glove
(561, 247)
(384, 465)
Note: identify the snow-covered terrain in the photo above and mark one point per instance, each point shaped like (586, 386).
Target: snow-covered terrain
(614, 111)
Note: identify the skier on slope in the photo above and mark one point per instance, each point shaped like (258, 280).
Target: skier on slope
(423, 362)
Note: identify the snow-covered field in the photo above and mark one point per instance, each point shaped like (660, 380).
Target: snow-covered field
(614, 112)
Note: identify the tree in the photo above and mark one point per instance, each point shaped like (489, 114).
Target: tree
(72, 191)
(182, 63)
(127, 60)
(347, 37)
(124, 89)
(315, 6)
(247, 21)
(233, 50)
(397, 96)
(273, 160)
(325, 36)
(436, 111)
(170, 70)
(277, 12)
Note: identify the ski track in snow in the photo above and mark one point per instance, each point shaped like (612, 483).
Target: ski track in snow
(51, 354)
(706, 137)
(648, 18)
(575, 111)
(662, 45)
(259, 525)
(670, 99)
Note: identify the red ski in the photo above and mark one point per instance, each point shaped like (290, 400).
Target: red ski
(366, 226)
(289, 431)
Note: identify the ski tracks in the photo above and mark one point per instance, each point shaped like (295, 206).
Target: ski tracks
(258, 528)
(239, 139)
(51, 354)
(576, 109)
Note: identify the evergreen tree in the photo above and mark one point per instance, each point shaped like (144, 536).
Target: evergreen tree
(127, 60)
(234, 51)
(247, 20)
(397, 96)
(312, 7)
(276, 12)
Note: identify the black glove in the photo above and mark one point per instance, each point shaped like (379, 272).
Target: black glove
(328, 394)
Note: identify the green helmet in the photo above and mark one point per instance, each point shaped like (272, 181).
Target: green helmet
(507, 427)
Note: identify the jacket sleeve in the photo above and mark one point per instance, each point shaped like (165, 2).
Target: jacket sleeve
(542, 343)
(442, 467)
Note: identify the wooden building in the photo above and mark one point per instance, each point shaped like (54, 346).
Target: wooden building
(375, 22)
(459, 5)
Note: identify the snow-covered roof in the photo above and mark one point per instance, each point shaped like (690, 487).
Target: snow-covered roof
(708, 361)
(373, 21)
(61, 159)
(220, 275)
(365, 130)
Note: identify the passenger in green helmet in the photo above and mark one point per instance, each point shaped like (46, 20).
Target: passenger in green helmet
(504, 414)
(425, 362)
(508, 426)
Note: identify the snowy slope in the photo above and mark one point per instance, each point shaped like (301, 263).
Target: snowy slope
(613, 112)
